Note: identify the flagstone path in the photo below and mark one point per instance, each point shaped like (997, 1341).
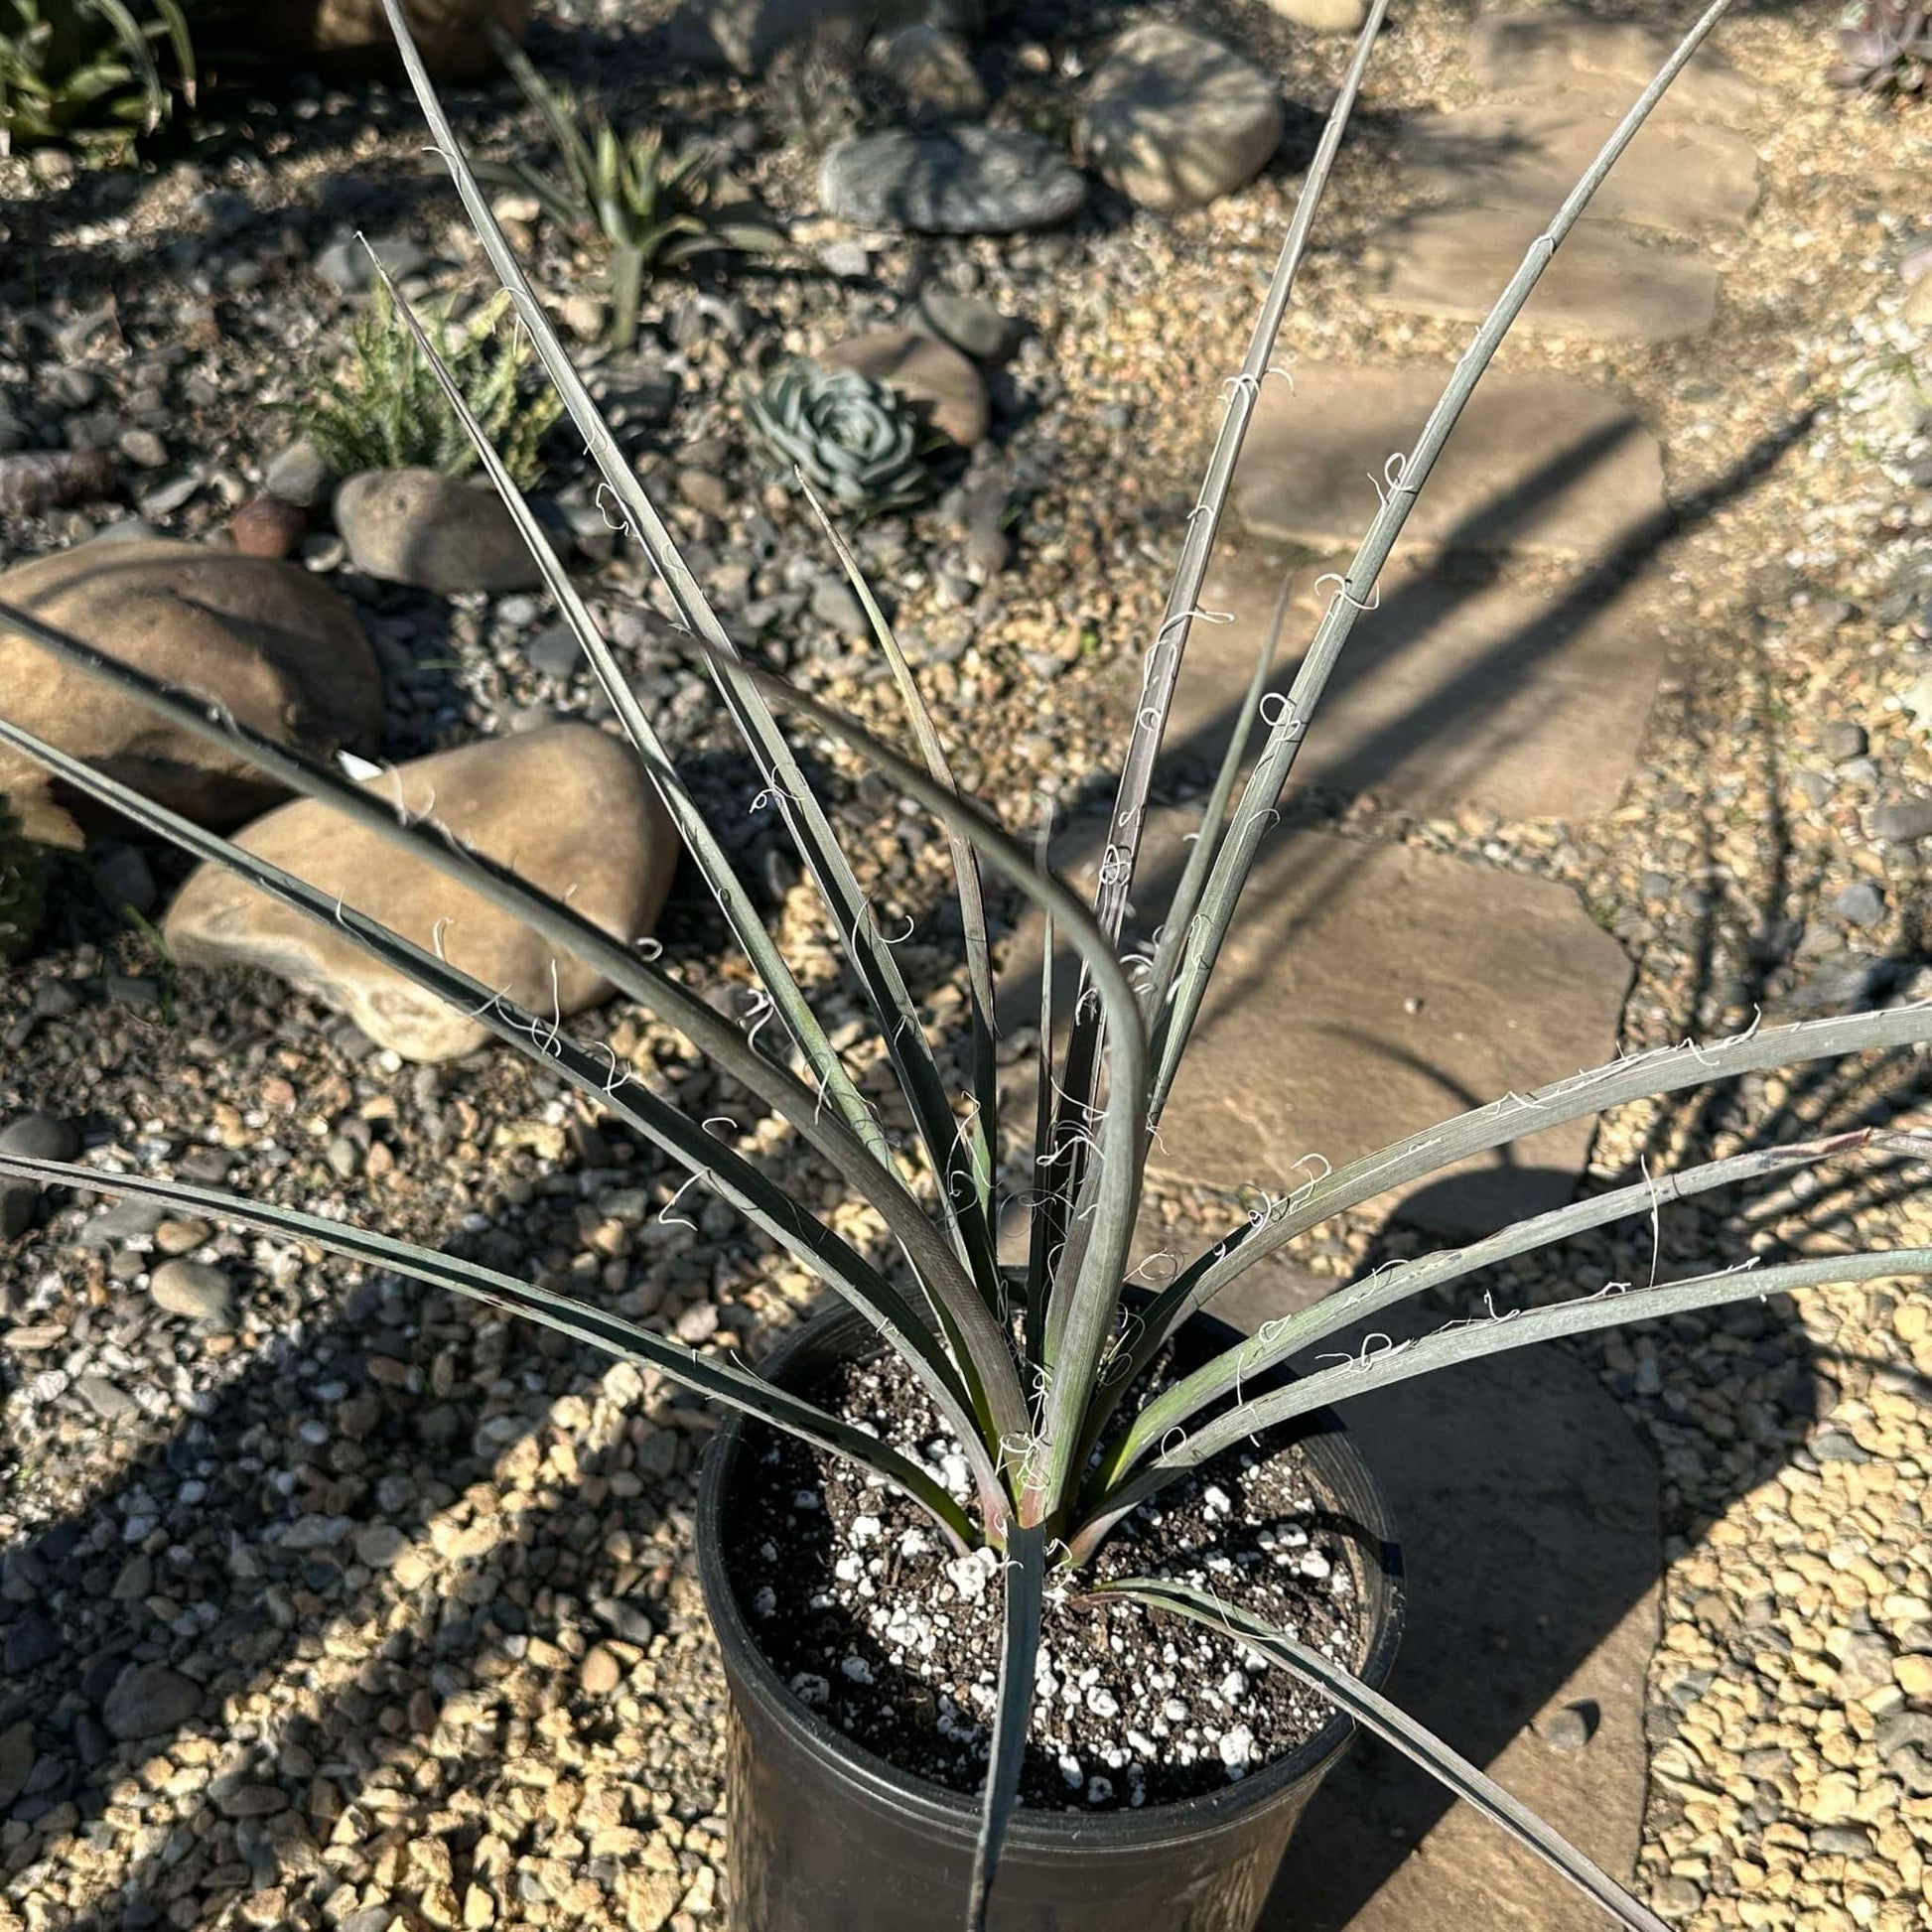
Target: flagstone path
(1372, 987)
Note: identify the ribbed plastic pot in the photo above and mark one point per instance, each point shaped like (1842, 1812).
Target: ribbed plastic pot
(825, 1836)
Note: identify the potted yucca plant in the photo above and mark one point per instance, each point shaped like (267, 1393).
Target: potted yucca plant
(1106, 1584)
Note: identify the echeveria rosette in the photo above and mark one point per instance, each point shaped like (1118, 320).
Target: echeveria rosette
(852, 437)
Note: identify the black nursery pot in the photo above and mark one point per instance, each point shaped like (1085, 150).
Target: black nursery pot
(826, 1837)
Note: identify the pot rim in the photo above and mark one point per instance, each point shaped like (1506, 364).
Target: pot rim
(751, 1673)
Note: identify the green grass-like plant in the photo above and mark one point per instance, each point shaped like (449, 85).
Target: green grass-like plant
(386, 409)
(89, 72)
(655, 209)
(1038, 1372)
(22, 884)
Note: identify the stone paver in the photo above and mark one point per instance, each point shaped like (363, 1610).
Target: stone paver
(1365, 992)
(1528, 1512)
(1679, 176)
(1602, 282)
(1460, 688)
(1536, 462)
(1559, 53)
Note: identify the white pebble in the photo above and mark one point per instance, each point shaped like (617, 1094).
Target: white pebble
(857, 1668)
(1236, 1747)
(1072, 1772)
(1234, 1687)
(1102, 1702)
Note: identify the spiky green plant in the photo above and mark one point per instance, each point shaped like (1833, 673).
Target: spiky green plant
(89, 72)
(22, 884)
(843, 434)
(1037, 1374)
(653, 207)
(385, 409)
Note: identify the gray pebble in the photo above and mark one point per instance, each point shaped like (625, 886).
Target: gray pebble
(834, 603)
(1860, 904)
(975, 326)
(1843, 740)
(298, 475)
(1903, 822)
(1570, 1729)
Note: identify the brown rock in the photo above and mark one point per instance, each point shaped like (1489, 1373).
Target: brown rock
(567, 805)
(421, 527)
(354, 34)
(601, 1673)
(932, 376)
(281, 650)
(267, 527)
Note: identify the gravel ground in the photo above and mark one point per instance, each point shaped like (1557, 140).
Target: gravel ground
(335, 1606)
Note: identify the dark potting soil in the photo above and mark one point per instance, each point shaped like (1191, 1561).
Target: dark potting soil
(858, 1601)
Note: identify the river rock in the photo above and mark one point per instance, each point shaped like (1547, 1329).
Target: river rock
(1173, 119)
(421, 527)
(939, 383)
(279, 648)
(567, 805)
(195, 1290)
(951, 181)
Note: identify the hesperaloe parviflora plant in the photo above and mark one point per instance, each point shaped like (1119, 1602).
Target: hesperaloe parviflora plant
(1038, 1375)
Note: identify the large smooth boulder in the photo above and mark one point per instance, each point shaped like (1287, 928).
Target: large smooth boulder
(1173, 119)
(568, 806)
(280, 650)
(452, 34)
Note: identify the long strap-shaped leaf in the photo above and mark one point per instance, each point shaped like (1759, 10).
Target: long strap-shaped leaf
(1643, 1076)
(1373, 1711)
(1207, 835)
(970, 1172)
(1164, 655)
(1467, 1342)
(787, 1000)
(1095, 1297)
(1261, 795)
(1024, 1574)
(1387, 1286)
(716, 1376)
(734, 1179)
(865, 945)
(984, 1359)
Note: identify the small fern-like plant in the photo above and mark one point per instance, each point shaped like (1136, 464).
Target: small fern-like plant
(22, 884)
(385, 409)
(90, 72)
(652, 207)
(1049, 1382)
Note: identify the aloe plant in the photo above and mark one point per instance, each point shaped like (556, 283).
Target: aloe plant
(654, 208)
(87, 71)
(1038, 1372)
